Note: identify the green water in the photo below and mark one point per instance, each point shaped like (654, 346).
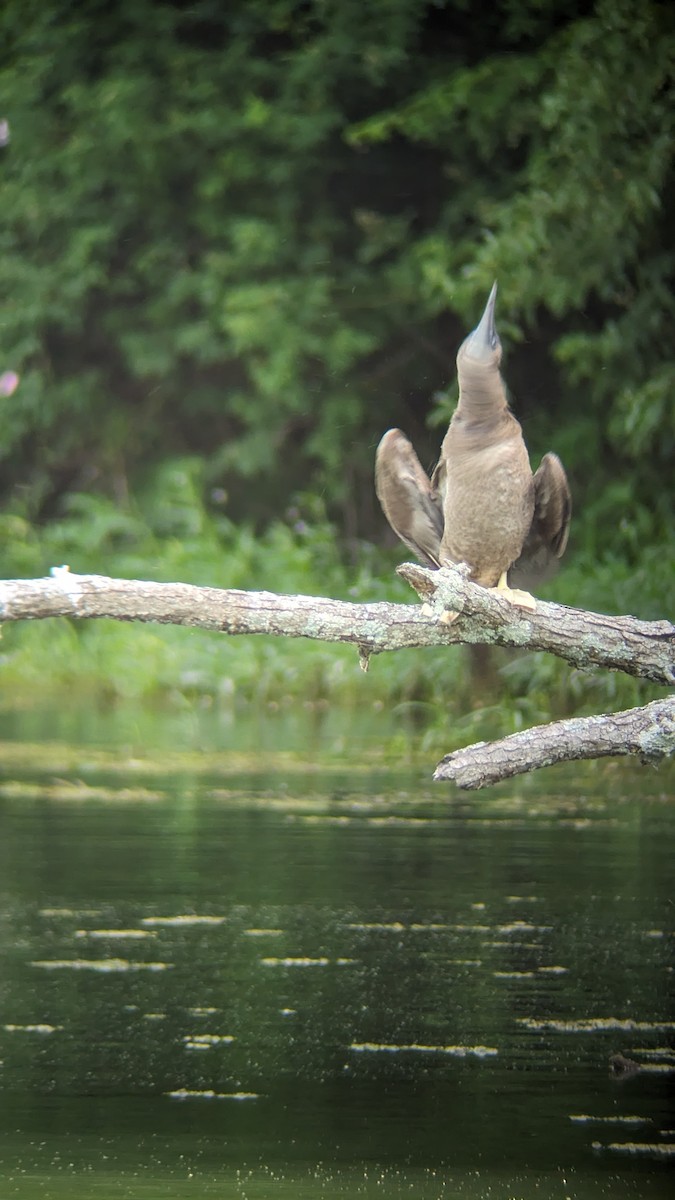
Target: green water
(253, 959)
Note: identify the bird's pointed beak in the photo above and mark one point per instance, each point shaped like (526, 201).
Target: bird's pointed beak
(482, 343)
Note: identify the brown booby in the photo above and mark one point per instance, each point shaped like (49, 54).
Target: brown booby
(482, 505)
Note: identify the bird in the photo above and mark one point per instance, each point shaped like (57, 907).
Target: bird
(483, 505)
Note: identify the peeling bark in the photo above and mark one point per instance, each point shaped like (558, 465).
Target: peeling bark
(644, 649)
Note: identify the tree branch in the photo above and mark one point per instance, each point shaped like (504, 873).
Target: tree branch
(645, 649)
(647, 732)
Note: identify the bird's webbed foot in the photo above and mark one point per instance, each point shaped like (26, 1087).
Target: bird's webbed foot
(514, 596)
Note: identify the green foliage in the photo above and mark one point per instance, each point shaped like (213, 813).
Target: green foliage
(171, 246)
(235, 231)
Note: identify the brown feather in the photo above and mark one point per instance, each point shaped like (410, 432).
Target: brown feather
(408, 500)
(546, 541)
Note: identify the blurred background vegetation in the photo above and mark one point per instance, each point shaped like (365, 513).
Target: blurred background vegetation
(240, 240)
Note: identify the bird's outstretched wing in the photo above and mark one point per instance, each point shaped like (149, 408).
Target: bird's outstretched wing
(545, 543)
(409, 502)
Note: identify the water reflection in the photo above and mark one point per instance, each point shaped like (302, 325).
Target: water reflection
(240, 974)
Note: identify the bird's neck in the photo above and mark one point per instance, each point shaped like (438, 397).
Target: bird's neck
(482, 395)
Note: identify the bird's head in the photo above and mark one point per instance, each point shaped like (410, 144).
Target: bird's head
(483, 347)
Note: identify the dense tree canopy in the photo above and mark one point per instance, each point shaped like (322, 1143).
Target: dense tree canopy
(255, 233)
